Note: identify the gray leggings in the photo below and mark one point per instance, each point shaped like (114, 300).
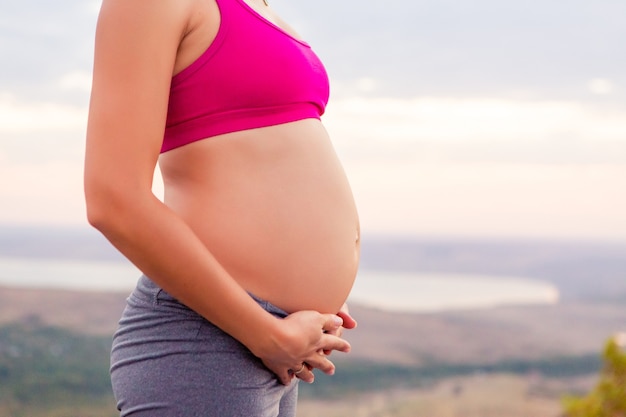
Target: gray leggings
(167, 361)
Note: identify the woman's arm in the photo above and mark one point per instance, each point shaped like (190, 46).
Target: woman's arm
(136, 49)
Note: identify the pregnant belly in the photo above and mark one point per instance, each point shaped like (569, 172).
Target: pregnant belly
(296, 267)
(275, 209)
(297, 256)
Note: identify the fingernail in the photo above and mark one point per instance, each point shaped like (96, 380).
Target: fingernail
(338, 320)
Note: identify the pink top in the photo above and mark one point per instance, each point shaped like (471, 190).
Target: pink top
(253, 75)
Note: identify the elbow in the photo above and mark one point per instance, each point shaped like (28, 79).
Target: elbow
(115, 203)
(106, 208)
(97, 217)
(99, 211)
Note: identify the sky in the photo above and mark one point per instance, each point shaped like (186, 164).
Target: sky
(488, 119)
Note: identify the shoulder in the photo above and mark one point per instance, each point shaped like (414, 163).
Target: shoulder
(138, 18)
(179, 26)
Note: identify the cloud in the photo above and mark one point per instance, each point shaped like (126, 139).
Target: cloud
(77, 80)
(366, 84)
(449, 118)
(491, 200)
(600, 86)
(477, 129)
(460, 48)
(428, 166)
(44, 192)
(27, 117)
(484, 167)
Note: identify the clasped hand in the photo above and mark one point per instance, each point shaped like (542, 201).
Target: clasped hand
(307, 338)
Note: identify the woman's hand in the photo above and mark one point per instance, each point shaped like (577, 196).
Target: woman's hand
(300, 343)
(348, 323)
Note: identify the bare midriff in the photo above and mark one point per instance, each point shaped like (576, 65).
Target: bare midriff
(274, 206)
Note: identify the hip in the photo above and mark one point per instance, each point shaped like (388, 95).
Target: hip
(167, 360)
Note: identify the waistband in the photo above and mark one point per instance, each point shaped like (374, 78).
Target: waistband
(148, 290)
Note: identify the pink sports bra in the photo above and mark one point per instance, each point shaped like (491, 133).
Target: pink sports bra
(253, 75)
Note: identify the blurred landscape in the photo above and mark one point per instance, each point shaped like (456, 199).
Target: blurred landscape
(505, 361)
(488, 119)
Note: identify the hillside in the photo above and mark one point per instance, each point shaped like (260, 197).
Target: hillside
(582, 271)
(479, 336)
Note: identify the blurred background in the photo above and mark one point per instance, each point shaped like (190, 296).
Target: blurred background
(486, 145)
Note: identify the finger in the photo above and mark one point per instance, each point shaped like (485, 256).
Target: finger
(337, 333)
(348, 321)
(320, 359)
(322, 363)
(331, 322)
(330, 342)
(307, 374)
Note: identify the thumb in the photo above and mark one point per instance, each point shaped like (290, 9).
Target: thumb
(348, 321)
(332, 322)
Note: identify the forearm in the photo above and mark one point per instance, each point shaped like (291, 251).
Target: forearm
(162, 246)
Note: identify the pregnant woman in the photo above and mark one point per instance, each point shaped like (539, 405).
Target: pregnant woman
(249, 258)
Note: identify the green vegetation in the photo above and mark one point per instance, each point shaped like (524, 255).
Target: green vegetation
(52, 372)
(608, 398)
(358, 377)
(43, 369)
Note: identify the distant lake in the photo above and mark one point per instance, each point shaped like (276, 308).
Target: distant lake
(424, 292)
(415, 292)
(68, 274)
